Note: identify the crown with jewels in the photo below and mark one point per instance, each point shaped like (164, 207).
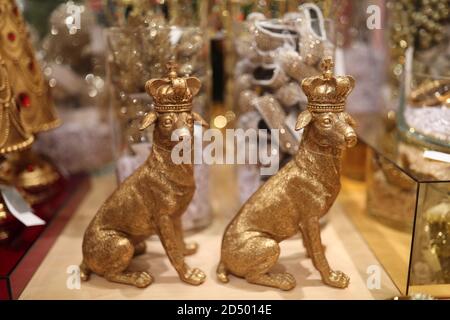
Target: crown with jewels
(173, 93)
(327, 93)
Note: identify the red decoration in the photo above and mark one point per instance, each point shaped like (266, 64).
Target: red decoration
(24, 100)
(11, 36)
(30, 168)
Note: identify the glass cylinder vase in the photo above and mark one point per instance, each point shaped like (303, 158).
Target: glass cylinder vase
(136, 55)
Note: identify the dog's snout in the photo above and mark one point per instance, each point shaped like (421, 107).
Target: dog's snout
(350, 138)
(347, 132)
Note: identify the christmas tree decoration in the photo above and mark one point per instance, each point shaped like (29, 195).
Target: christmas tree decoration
(13, 139)
(294, 199)
(153, 199)
(33, 99)
(32, 94)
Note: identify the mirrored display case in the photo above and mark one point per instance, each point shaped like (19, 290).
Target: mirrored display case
(407, 207)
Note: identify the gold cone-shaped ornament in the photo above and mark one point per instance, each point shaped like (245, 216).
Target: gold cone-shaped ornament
(31, 90)
(32, 173)
(13, 138)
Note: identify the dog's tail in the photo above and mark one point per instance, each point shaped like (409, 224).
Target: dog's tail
(222, 273)
(85, 272)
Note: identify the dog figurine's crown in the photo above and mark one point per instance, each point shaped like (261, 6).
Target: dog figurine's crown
(327, 93)
(173, 93)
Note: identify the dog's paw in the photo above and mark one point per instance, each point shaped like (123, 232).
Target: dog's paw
(337, 279)
(285, 281)
(193, 276)
(142, 279)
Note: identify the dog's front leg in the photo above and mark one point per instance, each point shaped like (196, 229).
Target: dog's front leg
(175, 252)
(330, 277)
(306, 242)
(188, 248)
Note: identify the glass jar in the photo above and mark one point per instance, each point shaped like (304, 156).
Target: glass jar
(424, 114)
(136, 55)
(418, 45)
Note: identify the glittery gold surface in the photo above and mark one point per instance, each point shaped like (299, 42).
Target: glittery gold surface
(13, 136)
(150, 201)
(31, 95)
(38, 113)
(438, 229)
(431, 93)
(294, 199)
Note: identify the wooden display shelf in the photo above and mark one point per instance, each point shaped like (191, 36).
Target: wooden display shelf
(346, 251)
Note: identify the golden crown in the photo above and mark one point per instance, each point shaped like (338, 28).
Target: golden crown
(327, 93)
(173, 93)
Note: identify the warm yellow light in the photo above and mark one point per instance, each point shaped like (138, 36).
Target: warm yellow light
(220, 122)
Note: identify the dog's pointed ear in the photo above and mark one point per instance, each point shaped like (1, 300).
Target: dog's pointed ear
(303, 120)
(194, 85)
(199, 118)
(148, 120)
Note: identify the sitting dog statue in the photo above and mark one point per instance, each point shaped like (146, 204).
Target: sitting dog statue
(152, 200)
(296, 197)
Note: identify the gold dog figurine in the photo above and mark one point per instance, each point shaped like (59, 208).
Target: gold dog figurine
(152, 200)
(298, 195)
